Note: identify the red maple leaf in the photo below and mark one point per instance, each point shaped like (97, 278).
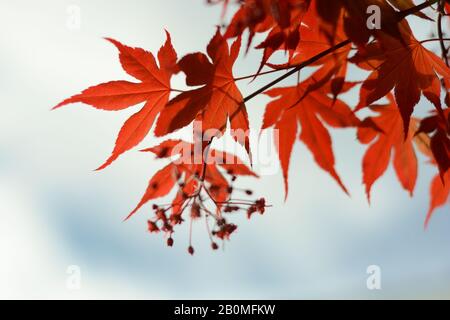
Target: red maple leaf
(284, 36)
(385, 132)
(439, 194)
(333, 67)
(410, 69)
(280, 17)
(293, 107)
(154, 89)
(440, 184)
(218, 101)
(438, 126)
(355, 18)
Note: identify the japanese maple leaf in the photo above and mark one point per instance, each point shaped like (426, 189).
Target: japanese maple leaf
(332, 67)
(439, 194)
(408, 68)
(293, 109)
(280, 17)
(190, 172)
(387, 142)
(284, 37)
(354, 15)
(216, 102)
(438, 127)
(153, 89)
(440, 184)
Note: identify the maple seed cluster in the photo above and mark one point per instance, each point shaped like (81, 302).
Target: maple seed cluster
(196, 206)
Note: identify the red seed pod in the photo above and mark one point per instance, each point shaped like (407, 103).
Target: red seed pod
(214, 246)
(195, 211)
(191, 250)
(167, 227)
(161, 215)
(152, 227)
(250, 211)
(229, 209)
(261, 205)
(175, 219)
(225, 231)
(170, 242)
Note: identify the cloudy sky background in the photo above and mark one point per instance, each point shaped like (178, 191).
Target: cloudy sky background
(56, 212)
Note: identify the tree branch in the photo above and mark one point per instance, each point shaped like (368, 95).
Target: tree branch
(298, 68)
(444, 49)
(401, 15)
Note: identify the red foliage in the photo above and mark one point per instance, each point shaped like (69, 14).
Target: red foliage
(328, 35)
(387, 130)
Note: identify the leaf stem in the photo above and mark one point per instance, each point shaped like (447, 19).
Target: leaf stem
(435, 39)
(261, 73)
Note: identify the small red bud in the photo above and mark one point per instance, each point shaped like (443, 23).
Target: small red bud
(191, 250)
(250, 211)
(170, 242)
(152, 227)
(214, 246)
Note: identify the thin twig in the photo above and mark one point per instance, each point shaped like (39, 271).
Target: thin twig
(403, 14)
(444, 49)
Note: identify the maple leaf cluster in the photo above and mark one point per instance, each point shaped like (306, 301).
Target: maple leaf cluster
(330, 36)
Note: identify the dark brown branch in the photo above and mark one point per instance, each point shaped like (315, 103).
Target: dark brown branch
(403, 14)
(444, 49)
(298, 68)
